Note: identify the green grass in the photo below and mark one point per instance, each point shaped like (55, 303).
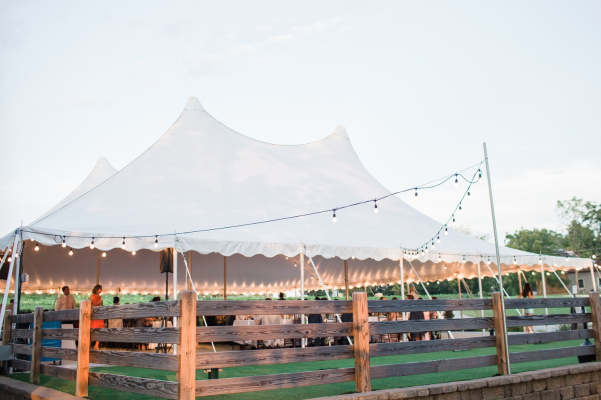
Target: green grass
(309, 392)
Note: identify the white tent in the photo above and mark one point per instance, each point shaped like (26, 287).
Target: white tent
(201, 176)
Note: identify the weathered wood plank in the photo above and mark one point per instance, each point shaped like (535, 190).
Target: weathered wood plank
(553, 302)
(261, 307)
(228, 359)
(20, 364)
(136, 335)
(83, 349)
(551, 319)
(187, 346)
(548, 354)
(428, 367)
(430, 346)
(22, 349)
(62, 315)
(60, 334)
(423, 325)
(377, 306)
(21, 334)
(59, 372)
(548, 337)
(261, 332)
(36, 346)
(500, 333)
(269, 382)
(147, 387)
(361, 344)
(22, 318)
(596, 317)
(6, 327)
(140, 310)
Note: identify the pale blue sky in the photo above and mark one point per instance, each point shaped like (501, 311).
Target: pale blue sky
(418, 85)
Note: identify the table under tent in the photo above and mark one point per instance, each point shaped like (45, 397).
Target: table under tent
(201, 190)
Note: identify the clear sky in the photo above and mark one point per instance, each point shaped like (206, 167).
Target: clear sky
(418, 85)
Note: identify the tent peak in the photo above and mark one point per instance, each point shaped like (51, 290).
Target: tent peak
(340, 131)
(103, 163)
(193, 104)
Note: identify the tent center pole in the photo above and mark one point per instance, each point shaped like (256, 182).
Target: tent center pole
(302, 290)
(175, 289)
(403, 293)
(346, 278)
(494, 226)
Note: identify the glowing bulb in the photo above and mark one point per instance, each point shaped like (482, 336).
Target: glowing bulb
(123, 244)
(464, 259)
(286, 258)
(456, 181)
(594, 256)
(454, 223)
(488, 262)
(70, 251)
(353, 257)
(426, 249)
(460, 209)
(438, 282)
(156, 241)
(427, 283)
(37, 248)
(562, 272)
(433, 244)
(548, 273)
(422, 252)
(479, 176)
(469, 196)
(103, 254)
(375, 208)
(9, 259)
(540, 260)
(92, 244)
(514, 261)
(567, 259)
(334, 217)
(64, 244)
(533, 273)
(439, 257)
(416, 198)
(133, 253)
(437, 239)
(446, 231)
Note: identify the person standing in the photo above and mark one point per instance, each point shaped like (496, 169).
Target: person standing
(96, 302)
(66, 301)
(528, 294)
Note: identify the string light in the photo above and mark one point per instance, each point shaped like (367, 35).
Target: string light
(456, 181)
(460, 209)
(92, 244)
(444, 267)
(9, 259)
(70, 251)
(156, 241)
(123, 244)
(479, 175)
(433, 244)
(334, 216)
(37, 248)
(514, 260)
(488, 260)
(469, 196)
(454, 221)
(133, 253)
(375, 207)
(533, 273)
(446, 230)
(437, 239)
(594, 256)
(463, 260)
(64, 244)
(104, 254)
(426, 249)
(415, 197)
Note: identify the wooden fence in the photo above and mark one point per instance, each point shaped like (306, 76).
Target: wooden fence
(187, 335)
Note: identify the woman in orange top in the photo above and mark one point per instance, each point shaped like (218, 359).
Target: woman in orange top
(96, 302)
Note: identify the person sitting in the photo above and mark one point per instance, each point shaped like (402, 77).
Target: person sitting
(66, 301)
(270, 320)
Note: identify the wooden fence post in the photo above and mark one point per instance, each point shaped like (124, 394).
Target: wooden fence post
(36, 346)
(83, 349)
(6, 327)
(500, 332)
(596, 316)
(361, 337)
(186, 357)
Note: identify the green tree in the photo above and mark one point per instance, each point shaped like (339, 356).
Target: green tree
(582, 221)
(542, 241)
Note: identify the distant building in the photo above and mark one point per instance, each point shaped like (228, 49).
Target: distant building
(583, 280)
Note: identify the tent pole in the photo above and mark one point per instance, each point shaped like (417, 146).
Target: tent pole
(459, 291)
(544, 284)
(346, 277)
(10, 273)
(494, 225)
(16, 258)
(481, 296)
(97, 266)
(224, 278)
(560, 280)
(175, 289)
(429, 297)
(519, 282)
(592, 276)
(193, 287)
(302, 282)
(401, 266)
(189, 283)
(323, 286)
(504, 291)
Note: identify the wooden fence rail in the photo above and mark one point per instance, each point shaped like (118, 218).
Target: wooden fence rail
(187, 335)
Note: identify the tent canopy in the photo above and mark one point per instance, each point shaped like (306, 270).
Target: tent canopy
(201, 176)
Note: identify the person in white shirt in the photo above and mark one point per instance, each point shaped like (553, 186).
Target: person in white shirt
(66, 301)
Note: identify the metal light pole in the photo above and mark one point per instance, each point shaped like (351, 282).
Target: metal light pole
(494, 226)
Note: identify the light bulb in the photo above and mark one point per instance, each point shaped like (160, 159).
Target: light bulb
(375, 208)
(567, 259)
(427, 283)
(426, 249)
(454, 223)
(334, 217)
(456, 181)
(464, 259)
(469, 196)
(286, 258)
(64, 244)
(92, 244)
(438, 239)
(533, 273)
(479, 176)
(37, 248)
(133, 253)
(514, 261)
(439, 257)
(103, 254)
(562, 272)
(446, 231)
(9, 259)
(594, 256)
(156, 241)
(32, 240)
(488, 262)
(123, 244)
(433, 244)
(460, 209)
(438, 282)
(548, 273)
(422, 252)
(70, 251)
(540, 261)
(415, 195)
